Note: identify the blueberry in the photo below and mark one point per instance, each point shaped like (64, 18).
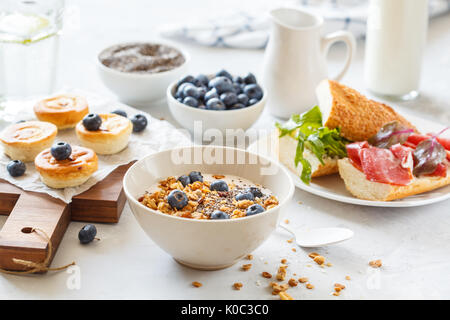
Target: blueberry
(238, 79)
(221, 84)
(219, 215)
(215, 104)
(16, 168)
(211, 94)
(120, 113)
(201, 79)
(191, 91)
(252, 102)
(180, 89)
(177, 199)
(202, 91)
(184, 179)
(250, 78)
(186, 79)
(237, 106)
(245, 196)
(219, 185)
(242, 98)
(195, 176)
(61, 150)
(92, 122)
(190, 101)
(87, 233)
(253, 91)
(224, 73)
(228, 98)
(254, 209)
(139, 122)
(255, 191)
(237, 88)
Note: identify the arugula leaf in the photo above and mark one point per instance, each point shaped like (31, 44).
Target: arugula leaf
(308, 130)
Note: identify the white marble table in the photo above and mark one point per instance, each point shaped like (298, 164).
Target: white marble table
(413, 243)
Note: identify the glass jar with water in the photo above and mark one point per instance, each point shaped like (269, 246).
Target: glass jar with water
(29, 32)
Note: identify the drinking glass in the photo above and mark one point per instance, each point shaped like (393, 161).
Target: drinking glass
(29, 35)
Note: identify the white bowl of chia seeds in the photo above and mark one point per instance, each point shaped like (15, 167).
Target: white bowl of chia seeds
(140, 72)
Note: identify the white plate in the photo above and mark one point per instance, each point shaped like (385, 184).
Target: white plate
(333, 187)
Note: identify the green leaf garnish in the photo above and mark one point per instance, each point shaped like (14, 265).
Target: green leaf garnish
(308, 130)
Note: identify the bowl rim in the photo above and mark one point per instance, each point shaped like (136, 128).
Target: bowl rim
(187, 220)
(257, 105)
(186, 55)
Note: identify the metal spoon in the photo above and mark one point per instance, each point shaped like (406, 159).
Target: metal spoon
(319, 237)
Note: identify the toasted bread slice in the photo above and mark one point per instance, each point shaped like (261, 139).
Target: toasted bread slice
(360, 187)
(286, 153)
(358, 118)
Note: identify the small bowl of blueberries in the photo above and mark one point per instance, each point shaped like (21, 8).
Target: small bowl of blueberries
(220, 101)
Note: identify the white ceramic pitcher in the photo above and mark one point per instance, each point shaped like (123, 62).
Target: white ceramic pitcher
(295, 60)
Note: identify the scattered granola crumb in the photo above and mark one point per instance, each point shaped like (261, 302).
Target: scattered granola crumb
(218, 176)
(281, 274)
(249, 257)
(266, 275)
(285, 296)
(375, 263)
(329, 264)
(338, 285)
(312, 255)
(300, 202)
(197, 284)
(277, 288)
(293, 249)
(308, 265)
(303, 280)
(290, 240)
(283, 261)
(335, 294)
(246, 267)
(309, 286)
(347, 278)
(292, 282)
(258, 283)
(237, 286)
(319, 260)
(286, 221)
(337, 289)
(265, 262)
(294, 274)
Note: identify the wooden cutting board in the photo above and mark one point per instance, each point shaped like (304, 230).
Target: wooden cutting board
(101, 203)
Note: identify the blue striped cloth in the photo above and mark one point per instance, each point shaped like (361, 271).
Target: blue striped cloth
(245, 30)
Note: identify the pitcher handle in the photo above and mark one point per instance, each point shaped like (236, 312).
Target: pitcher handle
(348, 39)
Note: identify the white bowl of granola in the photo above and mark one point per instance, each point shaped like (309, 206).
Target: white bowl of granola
(190, 234)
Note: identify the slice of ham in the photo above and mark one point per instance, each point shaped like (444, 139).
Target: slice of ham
(353, 152)
(445, 142)
(416, 138)
(381, 165)
(404, 154)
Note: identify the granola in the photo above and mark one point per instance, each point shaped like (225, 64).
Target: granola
(202, 199)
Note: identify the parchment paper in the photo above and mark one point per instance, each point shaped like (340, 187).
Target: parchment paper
(159, 135)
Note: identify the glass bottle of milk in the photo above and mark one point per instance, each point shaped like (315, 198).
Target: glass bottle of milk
(396, 35)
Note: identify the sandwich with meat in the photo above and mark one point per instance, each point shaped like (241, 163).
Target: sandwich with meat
(378, 153)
